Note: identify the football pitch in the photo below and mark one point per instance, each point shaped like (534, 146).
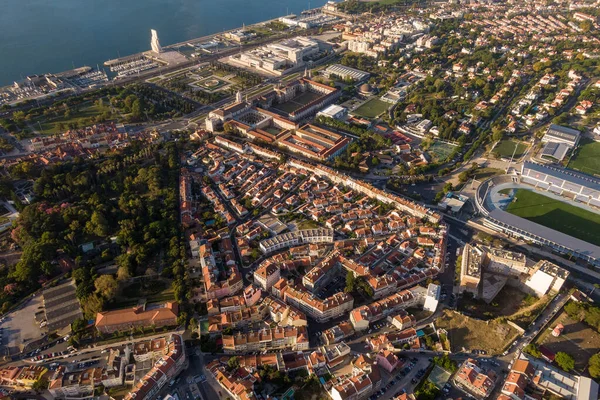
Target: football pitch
(372, 108)
(587, 157)
(554, 214)
(506, 148)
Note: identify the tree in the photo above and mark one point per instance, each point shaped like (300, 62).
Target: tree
(350, 282)
(106, 286)
(123, 273)
(594, 366)
(565, 361)
(78, 325)
(18, 116)
(137, 109)
(446, 363)
(92, 305)
(233, 363)
(533, 350)
(40, 384)
(97, 225)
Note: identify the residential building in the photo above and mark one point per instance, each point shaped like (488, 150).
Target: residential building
(474, 379)
(267, 275)
(162, 372)
(294, 338)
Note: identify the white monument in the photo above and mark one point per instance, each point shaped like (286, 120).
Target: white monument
(154, 43)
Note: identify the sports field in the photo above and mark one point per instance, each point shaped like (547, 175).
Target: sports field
(506, 147)
(441, 150)
(587, 157)
(439, 376)
(372, 108)
(554, 214)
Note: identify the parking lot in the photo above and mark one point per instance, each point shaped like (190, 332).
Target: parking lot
(337, 284)
(405, 378)
(19, 327)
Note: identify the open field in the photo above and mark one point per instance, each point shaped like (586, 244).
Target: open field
(587, 157)
(577, 339)
(506, 147)
(557, 215)
(50, 125)
(470, 333)
(485, 173)
(372, 108)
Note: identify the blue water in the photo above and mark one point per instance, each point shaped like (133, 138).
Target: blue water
(40, 36)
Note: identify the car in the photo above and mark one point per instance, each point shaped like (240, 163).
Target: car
(413, 380)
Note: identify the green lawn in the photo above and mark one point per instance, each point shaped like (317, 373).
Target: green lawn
(563, 217)
(486, 172)
(506, 147)
(372, 108)
(49, 125)
(587, 157)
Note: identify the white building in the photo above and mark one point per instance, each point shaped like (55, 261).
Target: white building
(547, 277)
(345, 72)
(274, 57)
(561, 134)
(334, 111)
(296, 238)
(433, 297)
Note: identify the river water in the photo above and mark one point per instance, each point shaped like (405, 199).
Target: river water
(41, 36)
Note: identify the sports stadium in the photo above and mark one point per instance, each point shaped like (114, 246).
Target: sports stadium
(546, 205)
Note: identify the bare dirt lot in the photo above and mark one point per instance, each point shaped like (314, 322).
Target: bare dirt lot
(577, 339)
(470, 333)
(510, 302)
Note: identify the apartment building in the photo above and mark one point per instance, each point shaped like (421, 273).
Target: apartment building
(294, 338)
(296, 238)
(337, 333)
(319, 309)
(474, 379)
(364, 379)
(470, 269)
(77, 384)
(362, 316)
(162, 372)
(267, 275)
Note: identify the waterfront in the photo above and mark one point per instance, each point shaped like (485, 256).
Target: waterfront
(41, 36)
